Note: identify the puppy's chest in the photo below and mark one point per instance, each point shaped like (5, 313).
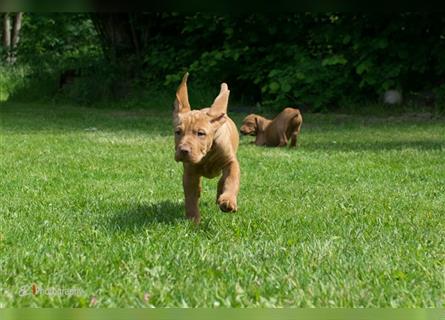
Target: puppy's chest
(212, 165)
(210, 172)
(274, 131)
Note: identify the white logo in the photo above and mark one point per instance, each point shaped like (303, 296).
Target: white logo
(52, 291)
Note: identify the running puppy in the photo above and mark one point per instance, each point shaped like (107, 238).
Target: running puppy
(206, 142)
(276, 132)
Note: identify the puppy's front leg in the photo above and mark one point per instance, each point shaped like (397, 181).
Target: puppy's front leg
(192, 191)
(283, 140)
(228, 187)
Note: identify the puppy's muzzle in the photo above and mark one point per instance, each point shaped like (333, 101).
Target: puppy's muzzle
(246, 132)
(183, 153)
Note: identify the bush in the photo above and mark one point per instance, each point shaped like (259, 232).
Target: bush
(11, 79)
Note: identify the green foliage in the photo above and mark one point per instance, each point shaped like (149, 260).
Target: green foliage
(305, 79)
(320, 61)
(11, 78)
(54, 41)
(50, 44)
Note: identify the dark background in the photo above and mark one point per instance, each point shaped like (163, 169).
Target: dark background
(316, 61)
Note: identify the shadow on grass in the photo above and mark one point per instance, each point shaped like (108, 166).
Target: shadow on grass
(142, 215)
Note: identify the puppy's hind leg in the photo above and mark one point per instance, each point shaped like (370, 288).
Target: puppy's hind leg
(228, 187)
(293, 139)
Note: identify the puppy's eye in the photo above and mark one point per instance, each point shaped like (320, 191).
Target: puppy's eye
(201, 133)
(178, 132)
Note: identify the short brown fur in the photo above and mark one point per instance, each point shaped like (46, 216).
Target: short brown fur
(276, 132)
(206, 141)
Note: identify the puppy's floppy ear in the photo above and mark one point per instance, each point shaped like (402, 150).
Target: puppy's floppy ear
(182, 98)
(259, 123)
(218, 109)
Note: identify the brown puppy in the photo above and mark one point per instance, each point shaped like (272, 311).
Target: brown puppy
(276, 132)
(206, 142)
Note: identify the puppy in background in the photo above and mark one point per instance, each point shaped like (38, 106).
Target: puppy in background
(276, 132)
(206, 142)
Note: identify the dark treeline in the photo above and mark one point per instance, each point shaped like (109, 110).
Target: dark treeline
(320, 61)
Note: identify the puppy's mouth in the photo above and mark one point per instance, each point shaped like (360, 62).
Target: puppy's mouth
(186, 158)
(247, 133)
(181, 158)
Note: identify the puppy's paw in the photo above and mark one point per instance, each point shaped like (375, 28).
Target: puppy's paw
(227, 203)
(194, 216)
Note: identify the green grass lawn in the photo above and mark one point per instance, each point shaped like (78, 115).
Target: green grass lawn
(92, 200)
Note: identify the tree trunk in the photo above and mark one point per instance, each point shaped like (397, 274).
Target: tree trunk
(6, 32)
(125, 35)
(16, 29)
(15, 35)
(11, 40)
